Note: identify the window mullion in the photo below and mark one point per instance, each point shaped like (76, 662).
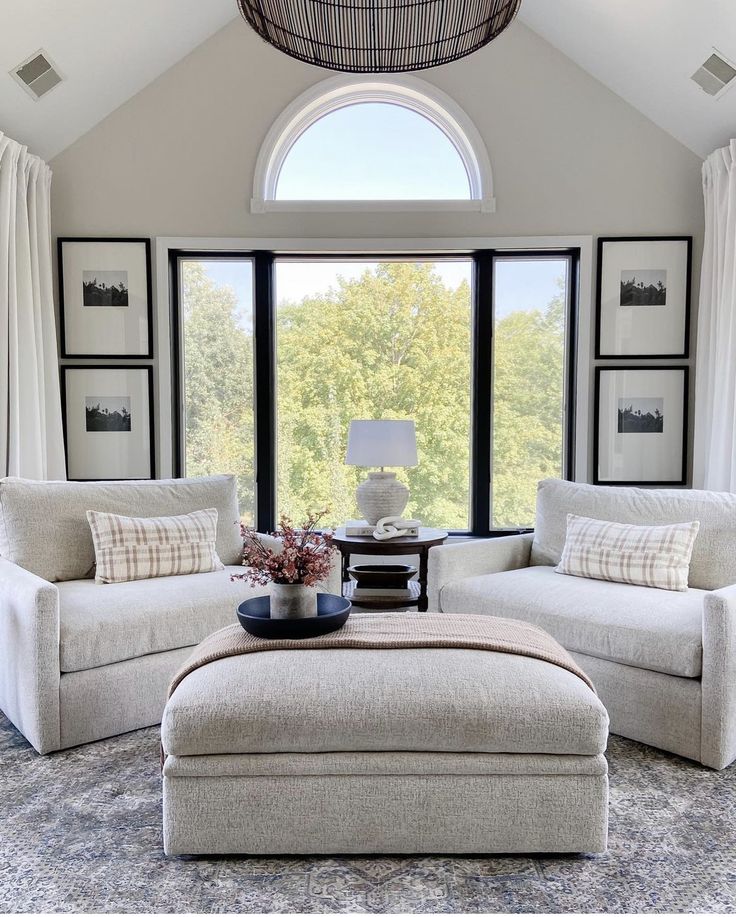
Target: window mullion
(265, 392)
(571, 344)
(482, 392)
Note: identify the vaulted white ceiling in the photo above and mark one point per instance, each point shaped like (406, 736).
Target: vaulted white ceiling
(646, 51)
(108, 50)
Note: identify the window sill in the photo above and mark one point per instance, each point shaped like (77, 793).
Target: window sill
(487, 205)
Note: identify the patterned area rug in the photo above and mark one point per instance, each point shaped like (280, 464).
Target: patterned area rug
(80, 831)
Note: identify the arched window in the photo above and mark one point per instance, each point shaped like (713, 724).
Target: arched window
(370, 144)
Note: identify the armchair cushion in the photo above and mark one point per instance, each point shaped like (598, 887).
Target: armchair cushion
(101, 624)
(633, 625)
(44, 528)
(713, 563)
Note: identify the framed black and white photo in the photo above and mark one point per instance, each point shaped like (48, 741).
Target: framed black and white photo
(641, 425)
(108, 422)
(105, 298)
(643, 297)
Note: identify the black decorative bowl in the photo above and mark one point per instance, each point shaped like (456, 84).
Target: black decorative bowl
(255, 616)
(382, 576)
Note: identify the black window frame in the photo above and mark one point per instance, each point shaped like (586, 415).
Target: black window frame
(264, 360)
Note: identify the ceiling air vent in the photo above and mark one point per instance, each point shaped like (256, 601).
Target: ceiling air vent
(36, 75)
(716, 74)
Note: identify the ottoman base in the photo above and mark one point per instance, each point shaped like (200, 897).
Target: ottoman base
(385, 803)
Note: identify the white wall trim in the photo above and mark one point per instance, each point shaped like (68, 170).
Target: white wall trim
(340, 91)
(586, 325)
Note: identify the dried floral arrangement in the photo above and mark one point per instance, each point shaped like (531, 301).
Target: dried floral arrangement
(305, 555)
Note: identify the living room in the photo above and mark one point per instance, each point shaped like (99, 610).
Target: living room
(401, 329)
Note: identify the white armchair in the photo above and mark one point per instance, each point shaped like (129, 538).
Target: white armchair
(81, 661)
(663, 663)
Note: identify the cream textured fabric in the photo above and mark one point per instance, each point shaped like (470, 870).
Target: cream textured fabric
(133, 548)
(661, 636)
(399, 814)
(113, 699)
(713, 562)
(649, 707)
(120, 640)
(633, 625)
(347, 763)
(44, 528)
(657, 556)
(325, 700)
(719, 678)
(471, 558)
(418, 749)
(406, 631)
(100, 625)
(29, 655)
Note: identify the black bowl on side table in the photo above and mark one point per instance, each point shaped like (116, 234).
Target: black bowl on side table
(382, 576)
(255, 617)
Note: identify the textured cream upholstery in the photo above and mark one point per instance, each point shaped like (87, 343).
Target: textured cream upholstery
(113, 699)
(29, 655)
(383, 700)
(634, 625)
(663, 663)
(649, 707)
(383, 751)
(44, 527)
(713, 562)
(388, 813)
(101, 624)
(81, 661)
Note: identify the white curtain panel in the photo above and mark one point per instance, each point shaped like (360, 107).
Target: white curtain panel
(31, 439)
(714, 460)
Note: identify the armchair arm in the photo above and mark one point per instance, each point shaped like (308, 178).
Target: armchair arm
(29, 655)
(474, 558)
(718, 733)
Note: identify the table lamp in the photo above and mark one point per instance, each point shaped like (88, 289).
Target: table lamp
(377, 444)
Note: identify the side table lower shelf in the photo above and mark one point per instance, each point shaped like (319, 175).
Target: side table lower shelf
(383, 602)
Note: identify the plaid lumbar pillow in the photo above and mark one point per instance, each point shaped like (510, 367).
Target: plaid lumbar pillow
(645, 555)
(127, 548)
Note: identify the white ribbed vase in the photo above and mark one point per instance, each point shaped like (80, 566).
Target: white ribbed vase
(381, 495)
(293, 600)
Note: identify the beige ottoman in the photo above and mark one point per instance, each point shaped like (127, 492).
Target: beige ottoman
(384, 751)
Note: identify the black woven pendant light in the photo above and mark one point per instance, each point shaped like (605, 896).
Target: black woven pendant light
(378, 36)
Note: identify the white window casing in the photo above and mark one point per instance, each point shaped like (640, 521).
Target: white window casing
(338, 92)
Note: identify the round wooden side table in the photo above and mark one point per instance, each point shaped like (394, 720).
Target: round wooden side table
(419, 544)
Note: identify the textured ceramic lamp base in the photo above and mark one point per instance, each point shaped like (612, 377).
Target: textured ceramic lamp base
(381, 495)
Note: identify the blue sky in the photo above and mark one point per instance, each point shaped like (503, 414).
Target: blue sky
(373, 151)
(519, 285)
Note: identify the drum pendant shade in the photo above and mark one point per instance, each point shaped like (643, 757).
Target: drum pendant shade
(378, 36)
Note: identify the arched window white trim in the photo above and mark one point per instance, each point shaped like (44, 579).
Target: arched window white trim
(336, 93)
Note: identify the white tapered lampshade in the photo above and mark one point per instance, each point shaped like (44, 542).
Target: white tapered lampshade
(382, 443)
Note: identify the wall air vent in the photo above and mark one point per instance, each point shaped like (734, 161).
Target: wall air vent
(716, 75)
(36, 75)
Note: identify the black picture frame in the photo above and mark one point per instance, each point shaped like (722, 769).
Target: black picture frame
(602, 242)
(151, 419)
(66, 353)
(682, 481)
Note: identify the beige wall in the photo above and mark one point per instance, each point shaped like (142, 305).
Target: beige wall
(569, 157)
